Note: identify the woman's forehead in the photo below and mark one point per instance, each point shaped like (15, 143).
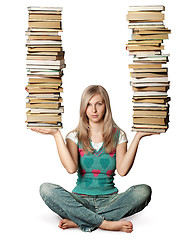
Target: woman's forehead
(96, 98)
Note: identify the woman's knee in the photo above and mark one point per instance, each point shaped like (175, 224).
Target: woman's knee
(144, 191)
(50, 190)
(47, 189)
(141, 191)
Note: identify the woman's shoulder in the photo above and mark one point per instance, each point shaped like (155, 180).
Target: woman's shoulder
(73, 136)
(121, 135)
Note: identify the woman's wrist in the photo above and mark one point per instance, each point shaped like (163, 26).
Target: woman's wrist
(138, 136)
(56, 133)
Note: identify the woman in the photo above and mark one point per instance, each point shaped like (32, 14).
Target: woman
(94, 150)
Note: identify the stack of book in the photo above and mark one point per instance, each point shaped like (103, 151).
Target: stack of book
(149, 78)
(45, 61)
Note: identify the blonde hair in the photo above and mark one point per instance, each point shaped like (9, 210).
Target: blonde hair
(109, 135)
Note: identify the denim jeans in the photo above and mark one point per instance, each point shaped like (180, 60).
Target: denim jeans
(88, 212)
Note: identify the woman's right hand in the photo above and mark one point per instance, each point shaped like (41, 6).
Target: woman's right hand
(51, 131)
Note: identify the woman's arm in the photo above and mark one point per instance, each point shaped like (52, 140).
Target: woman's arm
(125, 158)
(68, 153)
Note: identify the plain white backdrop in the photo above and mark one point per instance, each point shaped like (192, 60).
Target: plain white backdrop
(94, 38)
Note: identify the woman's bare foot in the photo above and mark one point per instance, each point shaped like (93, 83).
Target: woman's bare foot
(66, 223)
(122, 225)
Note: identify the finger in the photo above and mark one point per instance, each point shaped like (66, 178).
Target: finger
(40, 131)
(46, 130)
(60, 223)
(63, 226)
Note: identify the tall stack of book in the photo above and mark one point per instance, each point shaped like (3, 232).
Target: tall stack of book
(45, 61)
(149, 78)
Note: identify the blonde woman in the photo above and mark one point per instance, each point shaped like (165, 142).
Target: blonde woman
(95, 149)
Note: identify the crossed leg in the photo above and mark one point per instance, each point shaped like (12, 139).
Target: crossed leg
(125, 204)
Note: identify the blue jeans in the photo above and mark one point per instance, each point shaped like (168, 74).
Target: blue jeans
(88, 212)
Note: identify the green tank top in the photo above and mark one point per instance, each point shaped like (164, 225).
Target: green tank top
(96, 172)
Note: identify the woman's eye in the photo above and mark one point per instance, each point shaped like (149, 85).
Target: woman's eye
(99, 103)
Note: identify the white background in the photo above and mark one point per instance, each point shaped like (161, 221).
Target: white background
(94, 38)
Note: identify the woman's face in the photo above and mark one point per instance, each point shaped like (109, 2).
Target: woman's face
(96, 109)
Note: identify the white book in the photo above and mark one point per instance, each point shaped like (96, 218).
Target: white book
(151, 58)
(150, 55)
(145, 23)
(47, 70)
(152, 93)
(144, 53)
(44, 20)
(42, 67)
(45, 73)
(149, 105)
(45, 62)
(29, 33)
(42, 42)
(147, 8)
(49, 125)
(146, 26)
(149, 84)
(160, 79)
(44, 95)
(37, 8)
(44, 110)
(45, 30)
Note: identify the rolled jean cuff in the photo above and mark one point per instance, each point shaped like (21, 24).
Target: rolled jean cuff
(92, 228)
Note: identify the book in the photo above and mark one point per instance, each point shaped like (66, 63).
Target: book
(144, 48)
(36, 16)
(46, 62)
(44, 125)
(44, 49)
(145, 16)
(150, 113)
(145, 128)
(147, 74)
(44, 110)
(43, 105)
(43, 117)
(142, 65)
(44, 80)
(43, 42)
(152, 120)
(39, 8)
(151, 31)
(45, 24)
(144, 53)
(150, 79)
(149, 36)
(140, 84)
(149, 93)
(147, 88)
(151, 100)
(147, 8)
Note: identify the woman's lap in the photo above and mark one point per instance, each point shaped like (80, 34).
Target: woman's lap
(93, 209)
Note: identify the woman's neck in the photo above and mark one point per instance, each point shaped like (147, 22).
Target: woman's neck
(96, 131)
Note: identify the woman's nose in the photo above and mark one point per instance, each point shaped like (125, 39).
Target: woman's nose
(93, 108)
